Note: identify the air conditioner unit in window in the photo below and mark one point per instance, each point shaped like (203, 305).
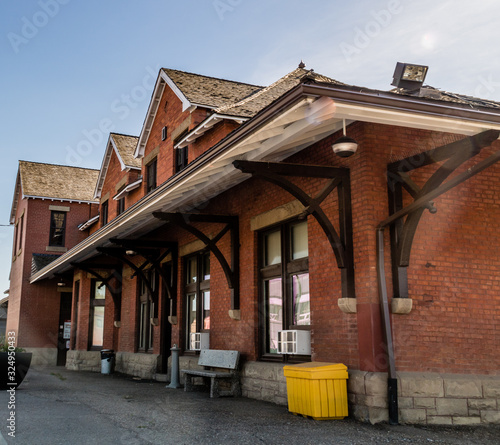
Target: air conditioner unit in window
(294, 342)
(199, 341)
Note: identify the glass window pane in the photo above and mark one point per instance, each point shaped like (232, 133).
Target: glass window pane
(206, 310)
(274, 309)
(151, 327)
(299, 241)
(191, 270)
(191, 300)
(206, 267)
(272, 248)
(301, 304)
(142, 339)
(98, 326)
(100, 291)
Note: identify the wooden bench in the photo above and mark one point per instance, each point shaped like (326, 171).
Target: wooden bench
(219, 365)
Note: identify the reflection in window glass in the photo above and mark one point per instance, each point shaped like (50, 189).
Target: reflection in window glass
(301, 306)
(98, 326)
(191, 298)
(299, 241)
(206, 267)
(272, 247)
(100, 291)
(206, 310)
(191, 271)
(274, 303)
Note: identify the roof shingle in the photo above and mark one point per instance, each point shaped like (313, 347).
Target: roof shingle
(57, 181)
(126, 146)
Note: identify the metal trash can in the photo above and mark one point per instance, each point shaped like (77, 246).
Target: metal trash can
(107, 361)
(317, 390)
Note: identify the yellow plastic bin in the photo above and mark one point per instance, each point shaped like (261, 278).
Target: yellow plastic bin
(317, 389)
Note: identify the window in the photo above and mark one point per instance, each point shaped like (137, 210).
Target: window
(151, 175)
(146, 311)
(21, 221)
(197, 292)
(120, 205)
(284, 283)
(164, 133)
(104, 213)
(181, 158)
(57, 228)
(97, 302)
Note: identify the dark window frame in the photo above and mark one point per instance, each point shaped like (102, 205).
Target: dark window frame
(151, 175)
(56, 240)
(145, 311)
(95, 302)
(285, 270)
(198, 287)
(120, 206)
(104, 212)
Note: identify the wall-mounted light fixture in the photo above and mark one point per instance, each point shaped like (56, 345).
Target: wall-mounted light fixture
(130, 252)
(61, 283)
(344, 146)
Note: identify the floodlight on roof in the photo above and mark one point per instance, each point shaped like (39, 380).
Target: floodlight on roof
(409, 76)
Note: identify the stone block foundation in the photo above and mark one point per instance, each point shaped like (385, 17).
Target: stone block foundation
(427, 398)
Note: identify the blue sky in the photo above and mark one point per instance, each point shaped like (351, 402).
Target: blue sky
(72, 70)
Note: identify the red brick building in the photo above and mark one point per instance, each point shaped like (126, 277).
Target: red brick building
(243, 222)
(50, 202)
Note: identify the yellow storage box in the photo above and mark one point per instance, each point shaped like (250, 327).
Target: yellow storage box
(317, 389)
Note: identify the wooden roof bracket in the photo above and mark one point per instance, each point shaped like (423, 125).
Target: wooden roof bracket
(231, 224)
(341, 243)
(403, 232)
(433, 188)
(115, 291)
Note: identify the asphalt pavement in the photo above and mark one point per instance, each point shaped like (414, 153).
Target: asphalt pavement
(56, 406)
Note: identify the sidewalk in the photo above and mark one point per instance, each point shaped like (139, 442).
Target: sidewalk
(55, 406)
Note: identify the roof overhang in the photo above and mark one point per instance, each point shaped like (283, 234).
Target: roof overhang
(128, 189)
(88, 223)
(301, 117)
(206, 125)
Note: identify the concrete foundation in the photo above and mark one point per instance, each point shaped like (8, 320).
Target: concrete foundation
(43, 356)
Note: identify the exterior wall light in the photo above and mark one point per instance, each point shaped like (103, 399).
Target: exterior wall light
(61, 283)
(344, 146)
(130, 252)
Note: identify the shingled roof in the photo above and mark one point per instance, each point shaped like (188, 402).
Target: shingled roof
(126, 146)
(251, 105)
(57, 181)
(210, 91)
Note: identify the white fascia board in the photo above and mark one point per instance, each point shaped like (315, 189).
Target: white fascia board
(150, 116)
(128, 189)
(115, 148)
(48, 198)
(204, 126)
(15, 200)
(104, 169)
(88, 223)
(185, 102)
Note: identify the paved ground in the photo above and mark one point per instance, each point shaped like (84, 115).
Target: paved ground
(56, 406)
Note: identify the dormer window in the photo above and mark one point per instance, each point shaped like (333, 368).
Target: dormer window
(164, 133)
(151, 175)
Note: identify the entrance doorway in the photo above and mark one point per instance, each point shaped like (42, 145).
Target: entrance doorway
(64, 328)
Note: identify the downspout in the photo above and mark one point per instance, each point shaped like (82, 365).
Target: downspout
(392, 384)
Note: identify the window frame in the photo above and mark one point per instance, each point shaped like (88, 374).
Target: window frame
(120, 206)
(96, 302)
(199, 288)
(151, 175)
(145, 311)
(104, 212)
(285, 270)
(53, 228)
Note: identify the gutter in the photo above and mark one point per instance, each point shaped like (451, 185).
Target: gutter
(392, 387)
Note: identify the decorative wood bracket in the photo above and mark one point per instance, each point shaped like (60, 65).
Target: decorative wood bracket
(231, 271)
(115, 273)
(403, 232)
(150, 251)
(341, 242)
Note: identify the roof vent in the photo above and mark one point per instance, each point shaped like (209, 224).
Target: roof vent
(409, 76)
